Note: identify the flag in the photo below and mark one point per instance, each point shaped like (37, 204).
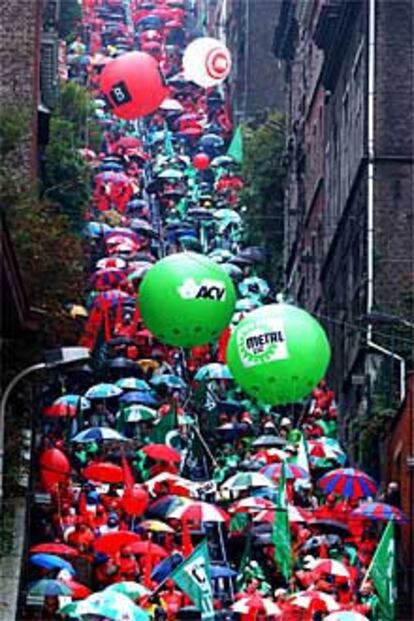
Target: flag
(245, 560)
(281, 530)
(302, 455)
(382, 573)
(166, 424)
(129, 480)
(194, 578)
(235, 149)
(121, 419)
(168, 145)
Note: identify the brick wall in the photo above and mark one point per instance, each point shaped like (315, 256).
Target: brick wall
(19, 69)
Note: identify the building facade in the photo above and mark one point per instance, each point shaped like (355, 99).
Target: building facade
(349, 197)
(247, 27)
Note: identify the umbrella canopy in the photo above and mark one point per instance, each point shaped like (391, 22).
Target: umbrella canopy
(252, 604)
(122, 363)
(132, 383)
(247, 480)
(330, 526)
(292, 471)
(60, 410)
(137, 413)
(214, 370)
(60, 549)
(79, 591)
(50, 561)
(331, 567)
(111, 262)
(305, 599)
(295, 514)
(251, 504)
(107, 279)
(112, 606)
(49, 588)
(254, 287)
(222, 571)
(98, 434)
(326, 448)
(110, 543)
(199, 512)
(133, 590)
(156, 526)
(166, 504)
(103, 391)
(268, 441)
(148, 548)
(77, 400)
(348, 482)
(136, 396)
(104, 472)
(161, 452)
(379, 511)
(346, 615)
(169, 380)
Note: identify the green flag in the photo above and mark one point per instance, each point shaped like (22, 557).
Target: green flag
(168, 145)
(235, 149)
(382, 573)
(301, 458)
(245, 559)
(194, 578)
(281, 530)
(166, 424)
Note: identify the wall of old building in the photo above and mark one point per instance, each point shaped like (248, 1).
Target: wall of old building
(19, 70)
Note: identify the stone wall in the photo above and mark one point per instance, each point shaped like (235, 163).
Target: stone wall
(19, 70)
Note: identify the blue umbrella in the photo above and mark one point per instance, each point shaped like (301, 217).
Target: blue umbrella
(111, 166)
(170, 380)
(145, 398)
(97, 434)
(49, 588)
(214, 370)
(96, 229)
(222, 571)
(103, 391)
(76, 400)
(50, 561)
(132, 383)
(163, 569)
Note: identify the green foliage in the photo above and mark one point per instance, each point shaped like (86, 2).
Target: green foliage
(70, 16)
(264, 174)
(66, 175)
(12, 128)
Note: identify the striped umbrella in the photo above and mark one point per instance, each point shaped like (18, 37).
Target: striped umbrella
(379, 511)
(111, 263)
(166, 504)
(132, 383)
(295, 514)
(103, 391)
(98, 434)
(348, 482)
(199, 512)
(246, 480)
(331, 567)
(77, 400)
(253, 603)
(292, 471)
(251, 504)
(306, 599)
(326, 448)
(134, 590)
(156, 526)
(107, 279)
(215, 371)
(137, 413)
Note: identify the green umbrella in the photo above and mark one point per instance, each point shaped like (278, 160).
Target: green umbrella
(71, 610)
(112, 605)
(137, 413)
(133, 590)
(190, 243)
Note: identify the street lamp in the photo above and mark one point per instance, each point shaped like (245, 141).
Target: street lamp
(54, 358)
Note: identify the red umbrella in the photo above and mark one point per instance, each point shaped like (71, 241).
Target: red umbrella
(79, 591)
(161, 452)
(148, 548)
(61, 549)
(60, 410)
(251, 504)
(199, 512)
(113, 542)
(104, 472)
(128, 142)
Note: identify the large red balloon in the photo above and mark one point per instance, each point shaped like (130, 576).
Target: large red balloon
(135, 501)
(201, 161)
(133, 85)
(54, 468)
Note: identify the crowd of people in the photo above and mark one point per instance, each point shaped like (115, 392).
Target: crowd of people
(153, 449)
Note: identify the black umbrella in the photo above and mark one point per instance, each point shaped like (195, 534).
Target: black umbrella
(123, 363)
(319, 540)
(230, 407)
(121, 340)
(254, 253)
(241, 261)
(330, 526)
(188, 613)
(269, 440)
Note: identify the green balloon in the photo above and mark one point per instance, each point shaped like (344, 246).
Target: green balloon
(278, 353)
(186, 300)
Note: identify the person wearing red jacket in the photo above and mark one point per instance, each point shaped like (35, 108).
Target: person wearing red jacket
(172, 599)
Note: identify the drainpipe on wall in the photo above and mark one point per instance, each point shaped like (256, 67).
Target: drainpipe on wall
(370, 195)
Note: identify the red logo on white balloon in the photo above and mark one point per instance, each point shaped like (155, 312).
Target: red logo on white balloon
(217, 63)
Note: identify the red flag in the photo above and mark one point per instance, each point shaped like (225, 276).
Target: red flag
(82, 507)
(186, 539)
(128, 476)
(222, 345)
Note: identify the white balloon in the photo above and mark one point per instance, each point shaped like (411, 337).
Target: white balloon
(206, 62)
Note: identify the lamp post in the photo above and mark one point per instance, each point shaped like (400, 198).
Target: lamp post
(53, 359)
